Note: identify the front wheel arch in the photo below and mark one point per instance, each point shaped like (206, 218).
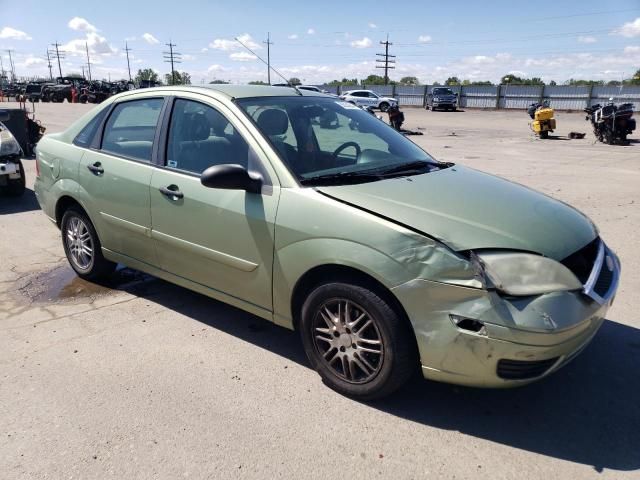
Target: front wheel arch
(323, 274)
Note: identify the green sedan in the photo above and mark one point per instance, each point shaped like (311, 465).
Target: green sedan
(311, 213)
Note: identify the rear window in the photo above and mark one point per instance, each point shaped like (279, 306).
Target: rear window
(84, 138)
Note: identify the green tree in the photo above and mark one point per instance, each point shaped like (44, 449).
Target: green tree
(410, 81)
(635, 80)
(344, 81)
(178, 78)
(294, 81)
(374, 80)
(258, 82)
(218, 82)
(511, 79)
(452, 81)
(146, 74)
(553, 83)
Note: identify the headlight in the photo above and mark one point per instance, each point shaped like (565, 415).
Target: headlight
(527, 274)
(436, 99)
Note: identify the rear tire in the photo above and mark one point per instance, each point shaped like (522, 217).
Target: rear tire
(356, 341)
(82, 246)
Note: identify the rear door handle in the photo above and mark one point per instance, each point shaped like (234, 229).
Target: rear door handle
(172, 192)
(96, 168)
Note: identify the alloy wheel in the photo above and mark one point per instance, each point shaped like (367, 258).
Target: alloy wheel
(79, 243)
(348, 340)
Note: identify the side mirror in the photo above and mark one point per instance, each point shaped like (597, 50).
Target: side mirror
(4, 116)
(231, 177)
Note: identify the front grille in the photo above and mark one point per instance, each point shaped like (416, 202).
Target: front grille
(522, 370)
(603, 283)
(581, 262)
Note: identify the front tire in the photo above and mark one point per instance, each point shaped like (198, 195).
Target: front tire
(356, 341)
(384, 106)
(82, 246)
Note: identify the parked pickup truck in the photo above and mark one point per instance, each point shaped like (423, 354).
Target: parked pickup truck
(443, 98)
(12, 179)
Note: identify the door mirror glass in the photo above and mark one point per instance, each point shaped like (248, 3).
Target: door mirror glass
(231, 177)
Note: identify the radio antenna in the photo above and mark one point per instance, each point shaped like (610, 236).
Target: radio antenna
(268, 64)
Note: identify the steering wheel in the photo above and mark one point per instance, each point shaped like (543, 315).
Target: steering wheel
(347, 145)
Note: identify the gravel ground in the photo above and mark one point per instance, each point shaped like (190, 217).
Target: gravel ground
(142, 379)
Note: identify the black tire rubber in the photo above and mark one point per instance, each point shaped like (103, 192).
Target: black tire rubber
(384, 106)
(100, 267)
(400, 358)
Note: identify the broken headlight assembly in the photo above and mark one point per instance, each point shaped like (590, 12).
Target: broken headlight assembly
(523, 274)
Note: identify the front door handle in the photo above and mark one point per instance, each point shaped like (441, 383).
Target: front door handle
(172, 192)
(96, 168)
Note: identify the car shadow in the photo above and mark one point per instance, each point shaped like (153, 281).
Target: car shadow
(588, 412)
(25, 203)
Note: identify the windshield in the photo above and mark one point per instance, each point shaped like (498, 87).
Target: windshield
(328, 140)
(442, 91)
(33, 88)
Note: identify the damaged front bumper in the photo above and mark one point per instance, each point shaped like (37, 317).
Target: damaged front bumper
(521, 339)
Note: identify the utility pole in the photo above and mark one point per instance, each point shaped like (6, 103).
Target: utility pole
(127, 49)
(388, 62)
(12, 67)
(269, 43)
(86, 46)
(83, 77)
(172, 57)
(49, 65)
(58, 56)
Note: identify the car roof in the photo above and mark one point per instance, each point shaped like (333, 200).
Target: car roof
(244, 91)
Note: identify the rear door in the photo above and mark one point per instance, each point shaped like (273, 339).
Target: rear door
(115, 177)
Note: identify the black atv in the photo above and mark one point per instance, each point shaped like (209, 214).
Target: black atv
(611, 123)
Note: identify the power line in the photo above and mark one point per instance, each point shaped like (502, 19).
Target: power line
(388, 60)
(127, 50)
(269, 43)
(59, 54)
(172, 57)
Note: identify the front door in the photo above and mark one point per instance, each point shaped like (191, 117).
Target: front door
(222, 239)
(116, 178)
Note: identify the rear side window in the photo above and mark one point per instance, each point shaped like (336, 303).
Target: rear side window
(84, 138)
(131, 128)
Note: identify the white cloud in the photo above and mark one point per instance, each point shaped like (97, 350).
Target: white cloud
(97, 45)
(228, 45)
(216, 68)
(150, 39)
(204, 50)
(311, 31)
(81, 24)
(587, 39)
(632, 49)
(188, 57)
(630, 29)
(424, 38)
(373, 25)
(12, 33)
(362, 43)
(242, 57)
(293, 36)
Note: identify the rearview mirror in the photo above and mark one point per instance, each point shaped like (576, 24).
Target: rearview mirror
(4, 116)
(231, 177)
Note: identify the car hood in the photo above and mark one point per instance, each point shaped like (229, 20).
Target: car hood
(467, 209)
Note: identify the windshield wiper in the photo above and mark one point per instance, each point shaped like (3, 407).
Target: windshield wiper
(415, 166)
(333, 178)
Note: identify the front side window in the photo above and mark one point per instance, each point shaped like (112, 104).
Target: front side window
(131, 127)
(200, 137)
(327, 140)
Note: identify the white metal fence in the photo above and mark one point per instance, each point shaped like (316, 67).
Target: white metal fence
(560, 97)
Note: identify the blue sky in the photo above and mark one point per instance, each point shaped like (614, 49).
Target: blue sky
(320, 41)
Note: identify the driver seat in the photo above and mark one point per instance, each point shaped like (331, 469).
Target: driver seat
(274, 123)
